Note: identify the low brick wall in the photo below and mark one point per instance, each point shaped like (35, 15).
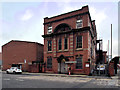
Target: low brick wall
(111, 68)
(34, 68)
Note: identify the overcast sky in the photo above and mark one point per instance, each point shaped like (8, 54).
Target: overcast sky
(24, 20)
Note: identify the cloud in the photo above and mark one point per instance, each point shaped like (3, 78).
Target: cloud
(27, 15)
(99, 16)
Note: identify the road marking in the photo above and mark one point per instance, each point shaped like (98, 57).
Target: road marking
(61, 79)
(21, 80)
(7, 79)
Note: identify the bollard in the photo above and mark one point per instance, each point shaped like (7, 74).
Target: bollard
(69, 72)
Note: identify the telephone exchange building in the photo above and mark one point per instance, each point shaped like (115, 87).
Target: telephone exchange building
(70, 42)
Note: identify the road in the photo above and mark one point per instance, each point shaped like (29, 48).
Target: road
(38, 81)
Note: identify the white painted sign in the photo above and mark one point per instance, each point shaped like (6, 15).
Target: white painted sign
(87, 65)
(71, 62)
(24, 60)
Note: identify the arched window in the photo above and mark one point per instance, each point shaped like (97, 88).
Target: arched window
(60, 44)
(62, 28)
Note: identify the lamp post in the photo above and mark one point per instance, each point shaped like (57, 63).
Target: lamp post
(111, 41)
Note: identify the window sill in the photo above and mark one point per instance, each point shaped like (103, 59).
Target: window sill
(79, 49)
(65, 50)
(59, 51)
(49, 52)
(79, 27)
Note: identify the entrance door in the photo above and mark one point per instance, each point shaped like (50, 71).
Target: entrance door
(63, 68)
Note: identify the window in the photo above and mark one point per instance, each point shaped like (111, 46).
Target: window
(60, 44)
(65, 43)
(49, 29)
(49, 45)
(79, 42)
(49, 62)
(79, 23)
(79, 62)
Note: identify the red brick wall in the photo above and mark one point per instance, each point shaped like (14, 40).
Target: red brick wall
(71, 22)
(111, 68)
(34, 68)
(15, 52)
(40, 50)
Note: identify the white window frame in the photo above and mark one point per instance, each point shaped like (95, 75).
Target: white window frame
(80, 21)
(82, 42)
(49, 30)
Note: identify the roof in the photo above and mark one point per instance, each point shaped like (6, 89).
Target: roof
(67, 12)
(23, 41)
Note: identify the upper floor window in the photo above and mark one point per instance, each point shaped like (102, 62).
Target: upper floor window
(49, 29)
(60, 44)
(79, 23)
(79, 62)
(66, 43)
(50, 45)
(49, 62)
(79, 42)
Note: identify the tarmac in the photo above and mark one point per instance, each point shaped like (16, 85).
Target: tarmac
(73, 75)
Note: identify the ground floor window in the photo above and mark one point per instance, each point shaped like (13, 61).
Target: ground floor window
(79, 62)
(49, 62)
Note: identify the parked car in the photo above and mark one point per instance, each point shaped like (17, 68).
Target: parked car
(14, 70)
(101, 68)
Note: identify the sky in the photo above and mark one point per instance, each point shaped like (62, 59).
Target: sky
(24, 20)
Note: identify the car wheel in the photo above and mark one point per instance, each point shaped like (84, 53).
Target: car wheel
(7, 72)
(14, 72)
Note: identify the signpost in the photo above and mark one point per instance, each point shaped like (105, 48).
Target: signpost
(24, 64)
(71, 62)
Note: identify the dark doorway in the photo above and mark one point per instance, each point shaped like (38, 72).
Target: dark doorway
(62, 66)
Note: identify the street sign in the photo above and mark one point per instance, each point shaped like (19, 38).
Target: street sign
(87, 65)
(71, 62)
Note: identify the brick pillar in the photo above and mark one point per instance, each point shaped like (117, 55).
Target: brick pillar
(111, 68)
(54, 47)
(87, 68)
(71, 43)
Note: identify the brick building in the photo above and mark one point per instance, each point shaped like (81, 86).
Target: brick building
(21, 53)
(101, 59)
(70, 42)
(0, 60)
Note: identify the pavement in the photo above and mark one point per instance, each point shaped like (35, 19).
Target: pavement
(66, 75)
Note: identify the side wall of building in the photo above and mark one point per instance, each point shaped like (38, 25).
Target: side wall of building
(17, 52)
